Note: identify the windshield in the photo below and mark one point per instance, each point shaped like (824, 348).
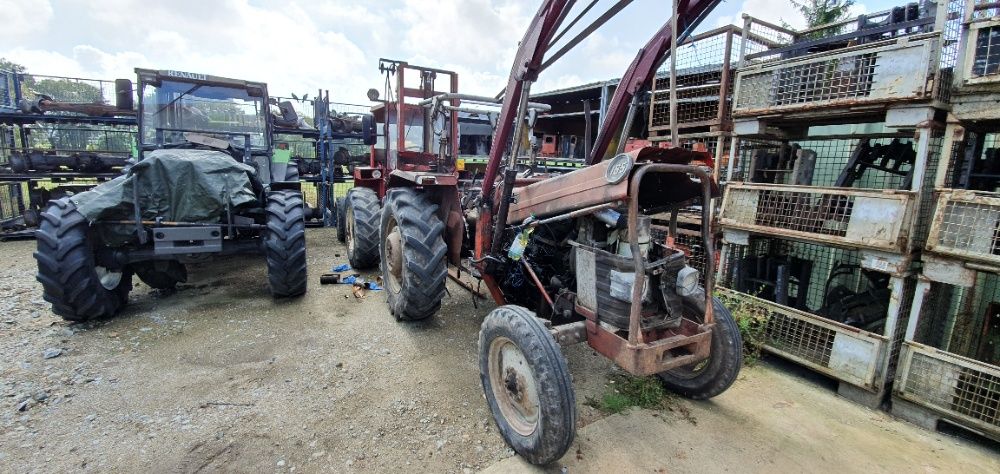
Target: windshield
(173, 108)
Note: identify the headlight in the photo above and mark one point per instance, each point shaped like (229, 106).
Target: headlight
(687, 281)
(376, 174)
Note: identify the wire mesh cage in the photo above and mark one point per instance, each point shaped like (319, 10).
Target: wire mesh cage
(974, 160)
(905, 53)
(965, 225)
(8, 95)
(76, 138)
(67, 89)
(705, 64)
(825, 309)
(12, 202)
(863, 161)
(45, 147)
(688, 239)
(854, 190)
(950, 360)
(966, 219)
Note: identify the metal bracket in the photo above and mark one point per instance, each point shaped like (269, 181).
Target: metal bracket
(186, 240)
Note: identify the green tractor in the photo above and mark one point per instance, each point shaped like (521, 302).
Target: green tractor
(204, 184)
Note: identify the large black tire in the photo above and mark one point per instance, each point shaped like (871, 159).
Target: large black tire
(706, 379)
(161, 274)
(285, 243)
(341, 204)
(413, 255)
(78, 289)
(527, 384)
(361, 220)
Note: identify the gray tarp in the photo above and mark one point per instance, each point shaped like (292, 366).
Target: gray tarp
(176, 185)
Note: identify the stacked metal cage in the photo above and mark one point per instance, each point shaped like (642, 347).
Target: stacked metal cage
(949, 367)
(828, 190)
(705, 67)
(318, 150)
(58, 135)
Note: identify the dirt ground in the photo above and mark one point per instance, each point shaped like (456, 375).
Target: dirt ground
(219, 377)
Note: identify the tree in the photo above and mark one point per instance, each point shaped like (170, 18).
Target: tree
(7, 65)
(821, 12)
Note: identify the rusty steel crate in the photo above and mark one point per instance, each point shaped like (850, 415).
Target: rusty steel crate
(966, 216)
(949, 367)
(875, 219)
(705, 66)
(875, 209)
(978, 70)
(958, 389)
(840, 65)
(965, 226)
(799, 327)
(980, 55)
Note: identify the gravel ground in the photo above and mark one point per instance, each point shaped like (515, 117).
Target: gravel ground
(218, 376)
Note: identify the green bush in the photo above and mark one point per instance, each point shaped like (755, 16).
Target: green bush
(751, 318)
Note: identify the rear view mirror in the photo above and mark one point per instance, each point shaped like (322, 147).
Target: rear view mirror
(369, 132)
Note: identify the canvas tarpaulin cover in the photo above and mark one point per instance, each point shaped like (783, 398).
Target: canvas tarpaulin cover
(174, 185)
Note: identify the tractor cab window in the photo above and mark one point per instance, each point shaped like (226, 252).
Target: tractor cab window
(173, 108)
(412, 130)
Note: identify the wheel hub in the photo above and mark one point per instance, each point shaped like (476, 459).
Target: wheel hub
(514, 386)
(349, 230)
(394, 256)
(109, 279)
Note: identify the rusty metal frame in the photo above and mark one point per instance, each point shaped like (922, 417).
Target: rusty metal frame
(646, 353)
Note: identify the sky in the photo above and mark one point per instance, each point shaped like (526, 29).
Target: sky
(302, 46)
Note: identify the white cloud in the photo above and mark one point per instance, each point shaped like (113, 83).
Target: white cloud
(24, 17)
(302, 45)
(284, 47)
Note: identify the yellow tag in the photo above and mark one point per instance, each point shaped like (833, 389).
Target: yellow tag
(460, 164)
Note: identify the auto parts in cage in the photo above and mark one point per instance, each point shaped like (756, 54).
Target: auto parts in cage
(84, 162)
(307, 166)
(789, 165)
(900, 20)
(981, 174)
(343, 157)
(772, 278)
(42, 103)
(895, 158)
(865, 308)
(989, 340)
(285, 116)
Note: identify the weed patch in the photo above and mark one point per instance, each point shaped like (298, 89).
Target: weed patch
(751, 318)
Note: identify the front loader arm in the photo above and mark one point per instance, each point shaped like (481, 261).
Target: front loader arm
(527, 64)
(642, 70)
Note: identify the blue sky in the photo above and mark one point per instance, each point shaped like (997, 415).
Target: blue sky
(299, 46)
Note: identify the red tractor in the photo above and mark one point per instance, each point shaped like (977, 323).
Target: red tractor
(567, 258)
